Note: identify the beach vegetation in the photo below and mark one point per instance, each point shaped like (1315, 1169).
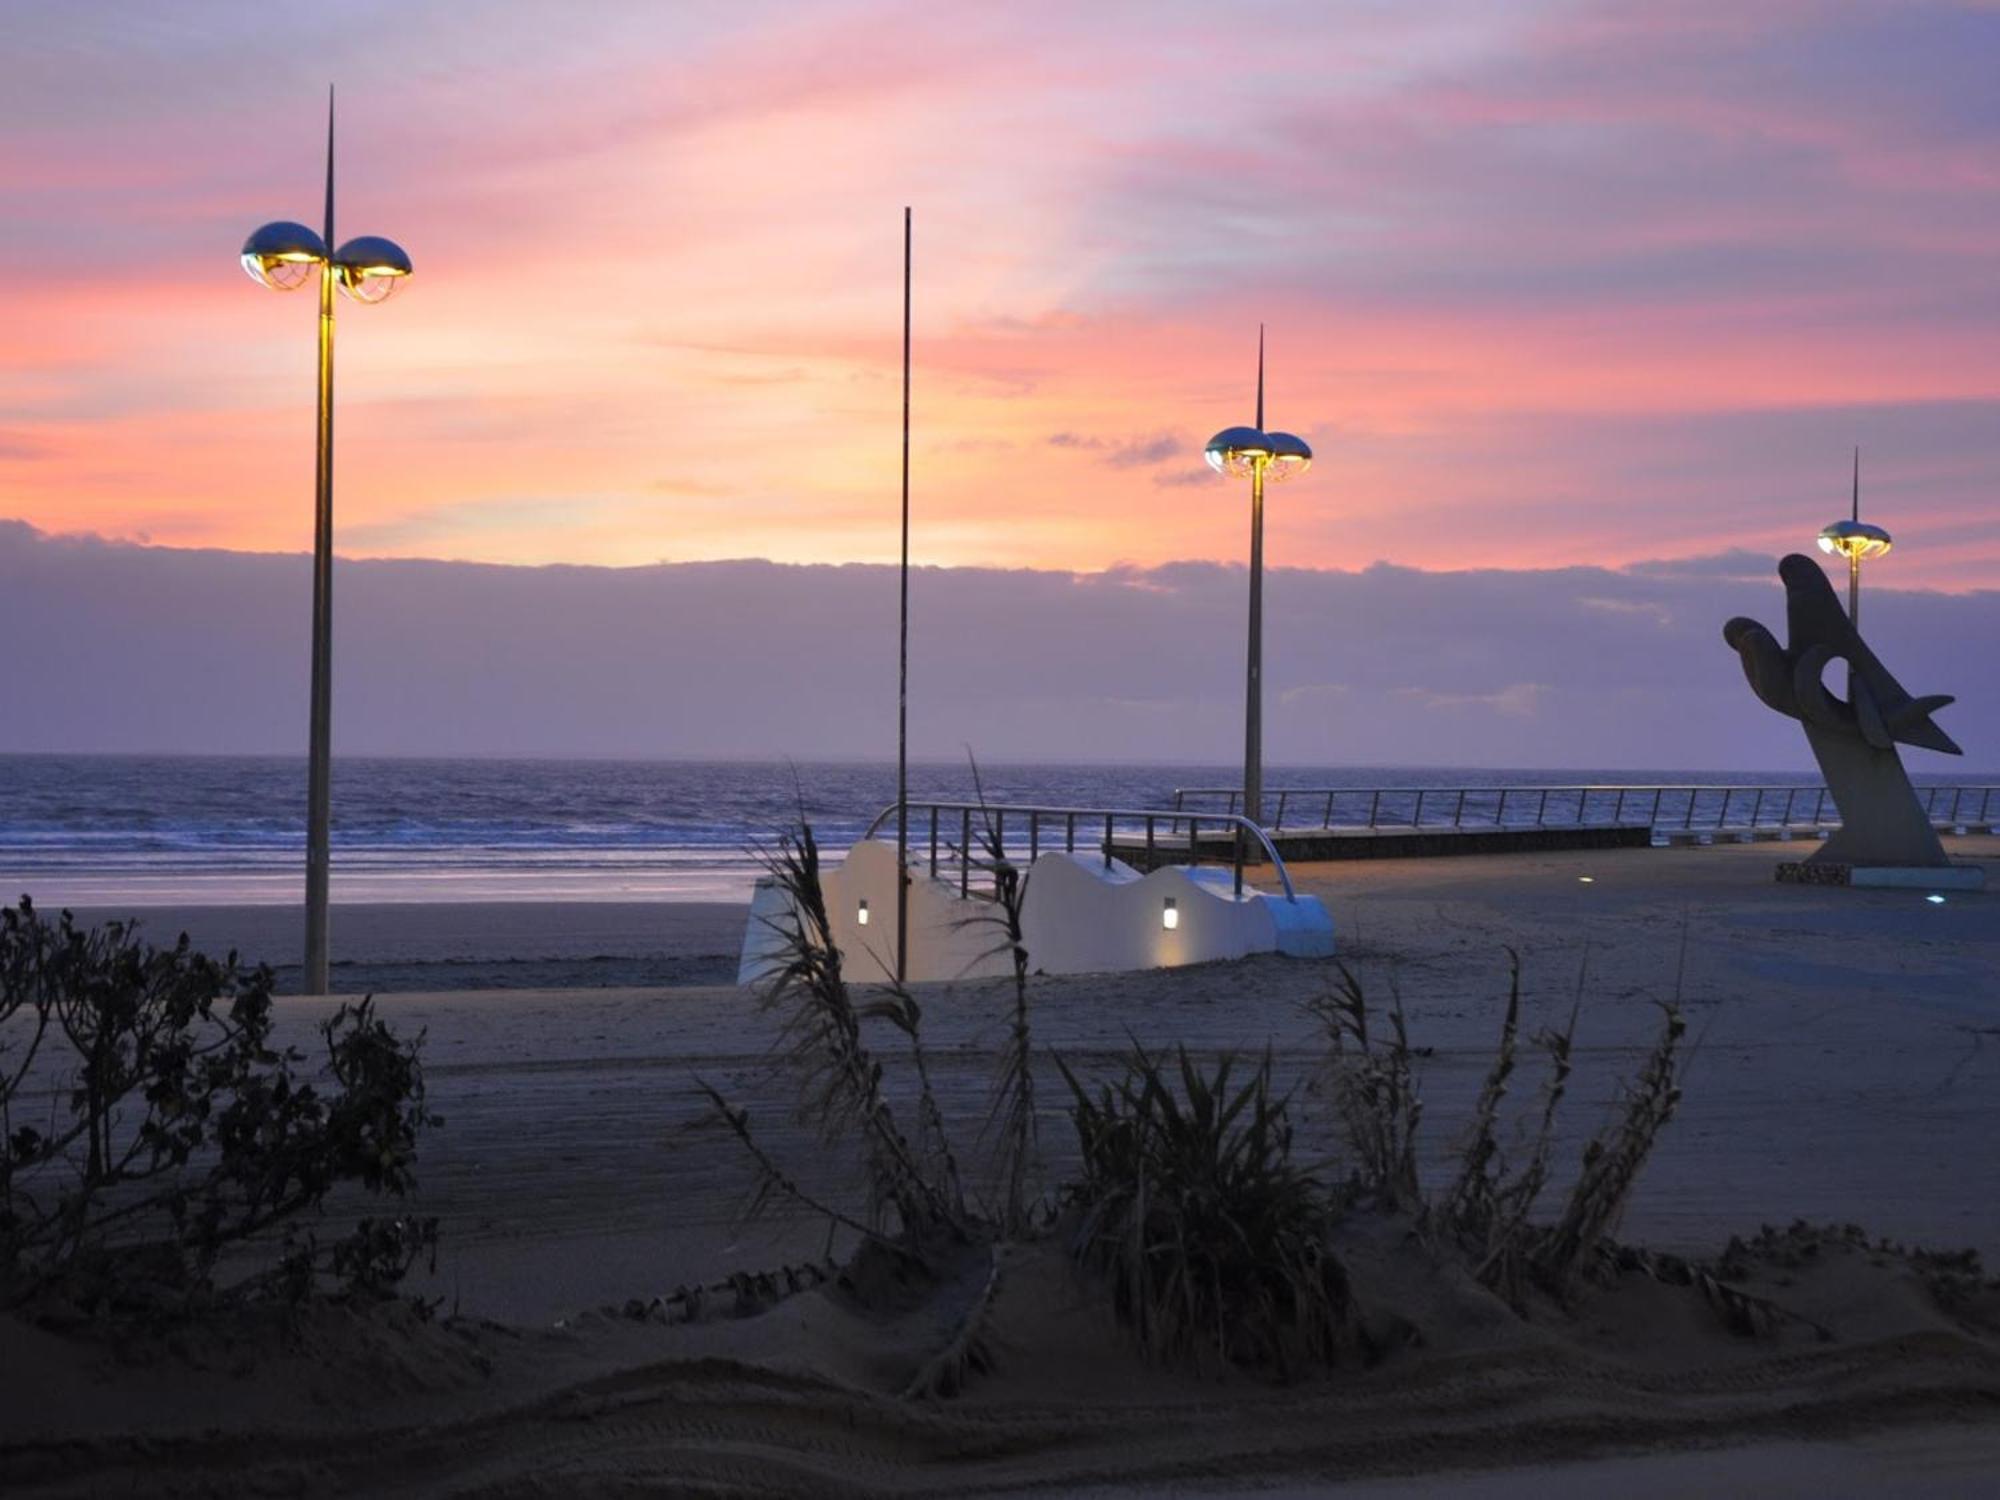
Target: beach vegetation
(1216, 1239)
(1010, 1121)
(160, 1150)
(1216, 1244)
(1487, 1212)
(915, 1197)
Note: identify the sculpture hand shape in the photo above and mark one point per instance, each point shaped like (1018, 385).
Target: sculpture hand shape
(1878, 711)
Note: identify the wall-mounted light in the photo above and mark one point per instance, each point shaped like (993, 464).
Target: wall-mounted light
(1170, 914)
(861, 913)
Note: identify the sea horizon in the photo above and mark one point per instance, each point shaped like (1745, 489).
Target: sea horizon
(162, 830)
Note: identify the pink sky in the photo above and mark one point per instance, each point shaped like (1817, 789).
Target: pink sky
(1546, 283)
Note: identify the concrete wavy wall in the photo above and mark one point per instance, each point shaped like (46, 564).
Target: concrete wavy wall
(1080, 916)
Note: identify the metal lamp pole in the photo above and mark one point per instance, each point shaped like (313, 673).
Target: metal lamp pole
(1854, 539)
(1260, 455)
(283, 256)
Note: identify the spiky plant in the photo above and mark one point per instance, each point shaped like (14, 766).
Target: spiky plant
(1373, 1085)
(1214, 1240)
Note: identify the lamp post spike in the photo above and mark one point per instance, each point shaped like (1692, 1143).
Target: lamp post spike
(1260, 377)
(1857, 481)
(329, 169)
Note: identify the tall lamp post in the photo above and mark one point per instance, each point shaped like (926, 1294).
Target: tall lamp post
(1251, 451)
(1854, 539)
(283, 256)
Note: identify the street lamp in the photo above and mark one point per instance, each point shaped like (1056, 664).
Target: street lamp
(283, 256)
(1240, 451)
(1854, 539)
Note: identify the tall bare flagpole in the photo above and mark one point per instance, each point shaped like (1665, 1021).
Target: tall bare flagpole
(903, 655)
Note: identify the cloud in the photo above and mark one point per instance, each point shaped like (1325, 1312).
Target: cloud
(157, 648)
(1145, 452)
(1547, 284)
(1737, 562)
(1649, 608)
(1518, 700)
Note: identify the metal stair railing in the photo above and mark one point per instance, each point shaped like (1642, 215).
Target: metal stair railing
(986, 826)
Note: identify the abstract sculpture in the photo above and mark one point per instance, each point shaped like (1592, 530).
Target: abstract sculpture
(1854, 739)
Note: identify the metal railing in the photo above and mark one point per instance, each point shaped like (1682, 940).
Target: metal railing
(1657, 807)
(984, 830)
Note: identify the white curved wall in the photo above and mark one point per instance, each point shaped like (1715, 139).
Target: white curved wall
(1080, 917)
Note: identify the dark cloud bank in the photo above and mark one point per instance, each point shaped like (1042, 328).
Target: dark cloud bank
(124, 648)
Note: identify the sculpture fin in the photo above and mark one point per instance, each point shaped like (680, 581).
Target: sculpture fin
(1911, 723)
(1868, 715)
(1918, 708)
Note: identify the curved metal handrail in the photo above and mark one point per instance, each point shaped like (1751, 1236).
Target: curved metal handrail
(1150, 817)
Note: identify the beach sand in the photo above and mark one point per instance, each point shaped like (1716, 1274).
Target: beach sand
(1845, 1068)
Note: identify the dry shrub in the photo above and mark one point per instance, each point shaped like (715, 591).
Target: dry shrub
(1486, 1213)
(151, 1132)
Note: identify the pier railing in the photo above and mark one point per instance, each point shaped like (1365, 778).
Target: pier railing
(1661, 808)
(960, 840)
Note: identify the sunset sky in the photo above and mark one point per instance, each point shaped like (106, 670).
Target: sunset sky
(1547, 284)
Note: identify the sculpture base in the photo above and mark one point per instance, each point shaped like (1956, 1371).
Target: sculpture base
(1884, 877)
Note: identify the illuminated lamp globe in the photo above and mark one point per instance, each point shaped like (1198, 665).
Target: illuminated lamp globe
(1237, 450)
(282, 255)
(370, 267)
(1289, 455)
(1853, 540)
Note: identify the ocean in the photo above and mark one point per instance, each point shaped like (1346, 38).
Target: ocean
(93, 830)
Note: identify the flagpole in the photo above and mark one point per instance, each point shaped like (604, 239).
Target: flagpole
(903, 655)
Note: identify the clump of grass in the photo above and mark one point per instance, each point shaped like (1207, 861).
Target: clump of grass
(1214, 1240)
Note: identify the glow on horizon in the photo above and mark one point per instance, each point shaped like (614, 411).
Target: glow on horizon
(1535, 275)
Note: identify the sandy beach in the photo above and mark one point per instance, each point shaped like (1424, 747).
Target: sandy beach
(1845, 1069)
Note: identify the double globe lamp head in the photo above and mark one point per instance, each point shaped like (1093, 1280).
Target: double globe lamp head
(1242, 451)
(282, 256)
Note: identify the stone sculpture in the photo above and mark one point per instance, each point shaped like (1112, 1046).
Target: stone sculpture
(1853, 738)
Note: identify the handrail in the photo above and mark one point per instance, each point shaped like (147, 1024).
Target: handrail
(1646, 801)
(996, 814)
